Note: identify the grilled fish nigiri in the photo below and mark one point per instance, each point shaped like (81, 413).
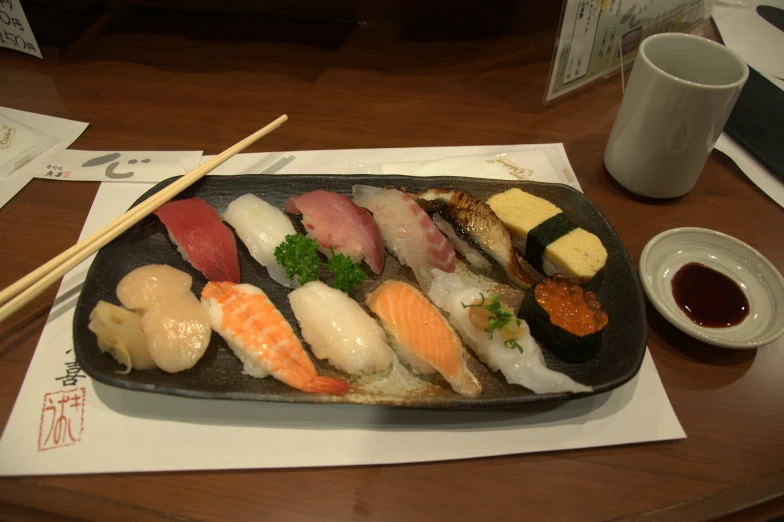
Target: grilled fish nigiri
(262, 339)
(421, 335)
(475, 222)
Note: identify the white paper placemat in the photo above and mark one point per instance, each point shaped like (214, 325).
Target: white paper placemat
(63, 422)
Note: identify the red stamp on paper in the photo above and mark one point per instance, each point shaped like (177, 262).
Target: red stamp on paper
(62, 419)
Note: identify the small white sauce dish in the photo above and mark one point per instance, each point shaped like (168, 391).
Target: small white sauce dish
(759, 280)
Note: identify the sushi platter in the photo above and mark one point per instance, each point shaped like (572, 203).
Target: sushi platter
(221, 371)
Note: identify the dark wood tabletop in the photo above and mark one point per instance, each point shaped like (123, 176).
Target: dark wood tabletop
(154, 79)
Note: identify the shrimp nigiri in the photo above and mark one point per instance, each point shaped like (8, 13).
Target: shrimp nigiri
(421, 335)
(262, 339)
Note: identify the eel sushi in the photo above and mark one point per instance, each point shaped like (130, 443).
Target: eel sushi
(471, 254)
(262, 339)
(475, 222)
(407, 231)
(176, 326)
(421, 336)
(261, 227)
(335, 221)
(202, 238)
(495, 334)
(339, 330)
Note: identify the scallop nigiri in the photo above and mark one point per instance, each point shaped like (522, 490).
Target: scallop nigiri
(261, 227)
(336, 223)
(202, 238)
(176, 326)
(262, 339)
(407, 231)
(338, 329)
(506, 345)
(421, 336)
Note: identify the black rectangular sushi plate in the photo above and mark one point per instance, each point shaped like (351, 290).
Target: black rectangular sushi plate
(218, 375)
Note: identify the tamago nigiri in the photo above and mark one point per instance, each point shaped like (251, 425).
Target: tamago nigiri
(421, 336)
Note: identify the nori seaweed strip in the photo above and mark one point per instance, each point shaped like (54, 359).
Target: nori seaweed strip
(543, 234)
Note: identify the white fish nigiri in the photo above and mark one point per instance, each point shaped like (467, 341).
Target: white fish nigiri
(512, 351)
(338, 329)
(407, 231)
(261, 227)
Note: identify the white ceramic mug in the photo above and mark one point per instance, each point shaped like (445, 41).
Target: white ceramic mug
(680, 94)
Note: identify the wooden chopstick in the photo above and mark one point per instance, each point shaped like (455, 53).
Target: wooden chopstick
(30, 286)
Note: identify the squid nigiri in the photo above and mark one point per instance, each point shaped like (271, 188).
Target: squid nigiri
(421, 336)
(335, 221)
(506, 345)
(407, 231)
(262, 339)
(261, 227)
(338, 329)
(202, 238)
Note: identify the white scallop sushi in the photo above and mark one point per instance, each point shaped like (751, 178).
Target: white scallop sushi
(511, 350)
(261, 227)
(339, 330)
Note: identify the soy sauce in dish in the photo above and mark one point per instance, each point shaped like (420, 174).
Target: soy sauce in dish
(708, 297)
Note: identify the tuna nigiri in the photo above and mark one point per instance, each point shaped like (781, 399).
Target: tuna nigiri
(202, 238)
(335, 221)
(421, 335)
(262, 339)
(261, 227)
(494, 333)
(407, 231)
(338, 329)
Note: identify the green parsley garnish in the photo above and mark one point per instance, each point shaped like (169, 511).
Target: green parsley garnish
(348, 274)
(298, 254)
(498, 319)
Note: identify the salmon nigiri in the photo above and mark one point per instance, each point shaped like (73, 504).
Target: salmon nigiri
(422, 337)
(262, 339)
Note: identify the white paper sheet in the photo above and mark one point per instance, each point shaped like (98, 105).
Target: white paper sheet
(85, 165)
(15, 31)
(755, 39)
(64, 130)
(134, 431)
(756, 172)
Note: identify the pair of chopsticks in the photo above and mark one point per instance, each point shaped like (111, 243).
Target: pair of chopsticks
(23, 291)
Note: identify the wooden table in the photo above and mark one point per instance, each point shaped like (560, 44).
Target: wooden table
(204, 81)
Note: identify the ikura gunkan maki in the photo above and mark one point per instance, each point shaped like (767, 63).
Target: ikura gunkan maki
(565, 319)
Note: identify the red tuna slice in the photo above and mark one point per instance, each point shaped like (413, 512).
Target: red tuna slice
(199, 232)
(335, 221)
